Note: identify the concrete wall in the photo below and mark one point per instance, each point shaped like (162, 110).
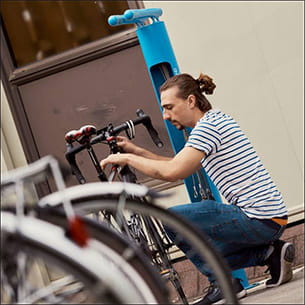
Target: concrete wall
(254, 52)
(12, 154)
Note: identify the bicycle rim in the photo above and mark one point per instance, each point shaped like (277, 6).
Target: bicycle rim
(140, 270)
(82, 275)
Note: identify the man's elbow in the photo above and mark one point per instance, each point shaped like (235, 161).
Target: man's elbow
(170, 179)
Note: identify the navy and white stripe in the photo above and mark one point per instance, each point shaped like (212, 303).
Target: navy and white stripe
(234, 166)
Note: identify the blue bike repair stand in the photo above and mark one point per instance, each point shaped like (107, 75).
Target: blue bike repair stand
(161, 64)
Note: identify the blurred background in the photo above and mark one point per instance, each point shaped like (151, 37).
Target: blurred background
(63, 66)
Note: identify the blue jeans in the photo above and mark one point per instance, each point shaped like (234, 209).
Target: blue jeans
(242, 241)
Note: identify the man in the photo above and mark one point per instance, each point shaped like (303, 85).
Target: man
(245, 231)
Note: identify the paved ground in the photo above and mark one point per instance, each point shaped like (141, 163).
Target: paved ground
(288, 293)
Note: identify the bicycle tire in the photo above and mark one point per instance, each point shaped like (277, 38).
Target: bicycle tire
(94, 197)
(163, 264)
(123, 247)
(101, 281)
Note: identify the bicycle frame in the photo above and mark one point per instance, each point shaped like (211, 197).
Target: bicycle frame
(159, 241)
(107, 135)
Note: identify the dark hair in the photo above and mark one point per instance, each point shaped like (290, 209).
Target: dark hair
(188, 85)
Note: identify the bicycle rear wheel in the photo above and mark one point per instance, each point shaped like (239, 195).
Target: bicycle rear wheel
(92, 198)
(30, 247)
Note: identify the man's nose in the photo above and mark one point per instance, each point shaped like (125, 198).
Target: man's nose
(165, 116)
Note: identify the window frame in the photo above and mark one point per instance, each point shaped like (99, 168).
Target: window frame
(67, 59)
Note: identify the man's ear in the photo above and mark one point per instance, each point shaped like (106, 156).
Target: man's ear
(191, 100)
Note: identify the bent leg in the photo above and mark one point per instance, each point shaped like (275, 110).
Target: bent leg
(242, 241)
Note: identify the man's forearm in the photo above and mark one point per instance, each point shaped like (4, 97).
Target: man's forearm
(186, 162)
(150, 155)
(156, 168)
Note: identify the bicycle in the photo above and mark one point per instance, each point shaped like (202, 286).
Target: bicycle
(124, 206)
(93, 260)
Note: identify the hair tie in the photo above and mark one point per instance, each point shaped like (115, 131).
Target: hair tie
(200, 79)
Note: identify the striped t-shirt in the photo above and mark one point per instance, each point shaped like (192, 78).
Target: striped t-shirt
(234, 166)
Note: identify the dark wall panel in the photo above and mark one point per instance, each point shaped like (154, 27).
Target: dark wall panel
(108, 89)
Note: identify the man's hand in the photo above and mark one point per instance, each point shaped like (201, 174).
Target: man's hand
(126, 145)
(134, 149)
(119, 159)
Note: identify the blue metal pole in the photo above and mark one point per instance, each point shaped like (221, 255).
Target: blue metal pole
(161, 63)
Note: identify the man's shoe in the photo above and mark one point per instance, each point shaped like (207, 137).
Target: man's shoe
(280, 263)
(214, 295)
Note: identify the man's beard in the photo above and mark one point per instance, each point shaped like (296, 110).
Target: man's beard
(178, 125)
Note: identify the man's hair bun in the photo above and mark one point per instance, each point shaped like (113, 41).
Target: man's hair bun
(206, 83)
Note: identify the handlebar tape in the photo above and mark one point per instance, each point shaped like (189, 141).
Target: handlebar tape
(80, 135)
(88, 130)
(72, 135)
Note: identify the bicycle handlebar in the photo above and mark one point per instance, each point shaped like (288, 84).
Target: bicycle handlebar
(151, 130)
(103, 134)
(70, 157)
(144, 119)
(36, 171)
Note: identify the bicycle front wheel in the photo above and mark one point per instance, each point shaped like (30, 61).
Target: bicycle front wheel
(140, 271)
(39, 264)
